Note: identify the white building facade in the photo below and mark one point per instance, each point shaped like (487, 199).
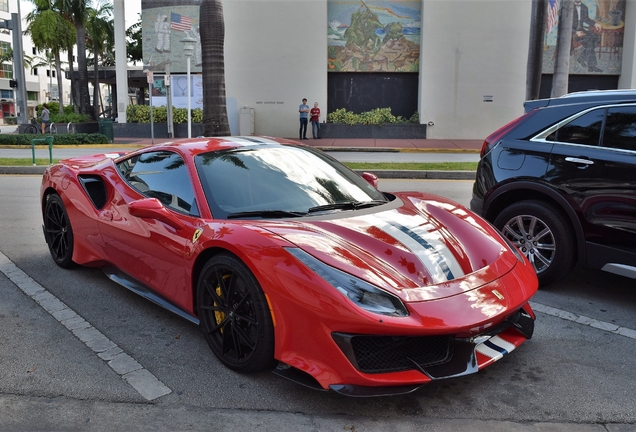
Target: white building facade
(470, 74)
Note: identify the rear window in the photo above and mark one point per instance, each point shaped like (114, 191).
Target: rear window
(585, 129)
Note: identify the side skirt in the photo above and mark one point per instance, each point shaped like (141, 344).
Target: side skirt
(137, 287)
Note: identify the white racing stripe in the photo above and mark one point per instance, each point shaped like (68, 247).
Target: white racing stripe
(495, 348)
(426, 244)
(144, 382)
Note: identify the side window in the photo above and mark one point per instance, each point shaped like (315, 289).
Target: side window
(162, 175)
(620, 128)
(585, 129)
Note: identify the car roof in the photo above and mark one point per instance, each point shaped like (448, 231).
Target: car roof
(194, 146)
(584, 97)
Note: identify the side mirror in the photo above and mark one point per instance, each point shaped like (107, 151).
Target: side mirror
(151, 208)
(371, 178)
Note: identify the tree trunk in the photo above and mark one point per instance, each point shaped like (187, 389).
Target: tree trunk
(564, 45)
(60, 89)
(82, 67)
(535, 52)
(74, 86)
(212, 31)
(96, 98)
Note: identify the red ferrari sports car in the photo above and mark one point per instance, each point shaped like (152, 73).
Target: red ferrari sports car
(290, 261)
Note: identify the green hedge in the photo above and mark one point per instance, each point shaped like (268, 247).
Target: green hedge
(68, 116)
(76, 138)
(141, 114)
(377, 116)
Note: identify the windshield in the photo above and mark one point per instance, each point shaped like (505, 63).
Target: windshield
(272, 181)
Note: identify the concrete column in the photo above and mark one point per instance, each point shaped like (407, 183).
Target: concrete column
(627, 80)
(121, 62)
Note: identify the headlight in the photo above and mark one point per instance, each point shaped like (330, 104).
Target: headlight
(363, 294)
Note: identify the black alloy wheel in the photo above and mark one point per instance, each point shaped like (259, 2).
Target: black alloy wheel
(542, 234)
(234, 315)
(58, 231)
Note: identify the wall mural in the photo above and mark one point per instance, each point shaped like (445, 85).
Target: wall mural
(597, 37)
(163, 28)
(374, 35)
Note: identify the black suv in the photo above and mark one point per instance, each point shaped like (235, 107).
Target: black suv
(560, 183)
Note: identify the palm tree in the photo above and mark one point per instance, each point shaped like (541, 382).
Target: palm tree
(50, 33)
(100, 33)
(212, 32)
(76, 10)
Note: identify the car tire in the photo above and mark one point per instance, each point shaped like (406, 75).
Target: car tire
(542, 234)
(234, 315)
(58, 231)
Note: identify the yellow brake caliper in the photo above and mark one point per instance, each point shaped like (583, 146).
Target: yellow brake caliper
(219, 316)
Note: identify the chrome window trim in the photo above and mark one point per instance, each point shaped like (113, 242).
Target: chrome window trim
(541, 136)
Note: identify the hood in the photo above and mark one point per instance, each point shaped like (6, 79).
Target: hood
(422, 248)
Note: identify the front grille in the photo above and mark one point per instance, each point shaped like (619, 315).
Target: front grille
(382, 354)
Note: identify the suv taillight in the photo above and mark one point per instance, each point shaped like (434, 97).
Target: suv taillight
(497, 135)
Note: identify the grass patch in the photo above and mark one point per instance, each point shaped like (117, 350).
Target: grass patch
(25, 161)
(416, 166)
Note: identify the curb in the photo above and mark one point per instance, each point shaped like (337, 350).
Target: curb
(422, 175)
(385, 174)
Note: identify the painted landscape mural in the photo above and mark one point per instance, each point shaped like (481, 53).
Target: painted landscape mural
(374, 35)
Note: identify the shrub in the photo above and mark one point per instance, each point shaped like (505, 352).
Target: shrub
(77, 138)
(377, 116)
(141, 114)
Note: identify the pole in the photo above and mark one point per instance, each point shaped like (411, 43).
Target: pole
(18, 61)
(121, 67)
(169, 102)
(189, 99)
(152, 124)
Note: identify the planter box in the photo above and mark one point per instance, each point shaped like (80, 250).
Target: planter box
(142, 130)
(387, 131)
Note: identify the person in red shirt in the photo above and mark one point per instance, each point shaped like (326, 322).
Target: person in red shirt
(315, 121)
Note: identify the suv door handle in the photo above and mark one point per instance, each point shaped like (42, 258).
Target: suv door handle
(579, 160)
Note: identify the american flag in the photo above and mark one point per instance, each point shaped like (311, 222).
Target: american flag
(180, 22)
(553, 14)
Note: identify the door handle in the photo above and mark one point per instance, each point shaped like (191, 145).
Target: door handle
(579, 160)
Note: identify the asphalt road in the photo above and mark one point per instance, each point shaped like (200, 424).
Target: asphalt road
(576, 374)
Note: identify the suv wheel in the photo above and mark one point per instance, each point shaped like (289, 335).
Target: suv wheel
(541, 233)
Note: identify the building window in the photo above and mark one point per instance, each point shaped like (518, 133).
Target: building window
(48, 72)
(53, 73)
(33, 96)
(34, 71)
(4, 5)
(6, 94)
(5, 47)
(6, 71)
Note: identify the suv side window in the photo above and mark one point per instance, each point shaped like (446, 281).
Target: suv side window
(585, 129)
(620, 128)
(162, 175)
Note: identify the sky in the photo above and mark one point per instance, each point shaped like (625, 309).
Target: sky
(132, 7)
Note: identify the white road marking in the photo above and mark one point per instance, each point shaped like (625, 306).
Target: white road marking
(581, 319)
(124, 365)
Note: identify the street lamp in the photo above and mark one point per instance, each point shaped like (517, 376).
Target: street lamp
(188, 49)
